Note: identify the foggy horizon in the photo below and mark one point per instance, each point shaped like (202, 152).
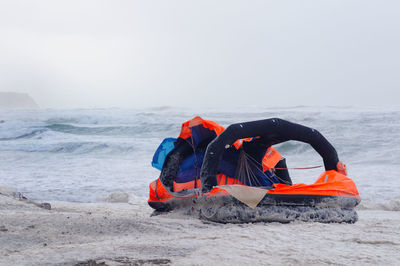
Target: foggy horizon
(135, 54)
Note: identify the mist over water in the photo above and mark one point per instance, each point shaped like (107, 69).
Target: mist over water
(85, 154)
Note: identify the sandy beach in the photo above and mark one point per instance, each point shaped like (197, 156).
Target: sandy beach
(125, 234)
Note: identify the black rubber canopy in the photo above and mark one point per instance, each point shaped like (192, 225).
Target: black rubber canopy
(270, 131)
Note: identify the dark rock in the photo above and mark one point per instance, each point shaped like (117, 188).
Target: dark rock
(3, 229)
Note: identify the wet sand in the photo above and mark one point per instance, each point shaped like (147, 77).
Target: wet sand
(125, 234)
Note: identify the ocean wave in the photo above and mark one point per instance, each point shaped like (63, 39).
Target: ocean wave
(92, 147)
(21, 131)
(84, 147)
(114, 117)
(143, 129)
(82, 130)
(13, 130)
(78, 147)
(294, 147)
(29, 134)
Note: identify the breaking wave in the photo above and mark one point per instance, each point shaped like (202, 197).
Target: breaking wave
(74, 147)
(25, 135)
(88, 147)
(123, 130)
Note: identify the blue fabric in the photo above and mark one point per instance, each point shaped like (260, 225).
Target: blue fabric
(191, 161)
(201, 134)
(166, 146)
(188, 171)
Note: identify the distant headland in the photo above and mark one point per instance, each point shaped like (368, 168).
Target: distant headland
(14, 100)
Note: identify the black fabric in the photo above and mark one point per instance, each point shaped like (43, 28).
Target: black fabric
(283, 174)
(255, 148)
(270, 131)
(171, 165)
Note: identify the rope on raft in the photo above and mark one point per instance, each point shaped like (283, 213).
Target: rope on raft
(299, 168)
(245, 172)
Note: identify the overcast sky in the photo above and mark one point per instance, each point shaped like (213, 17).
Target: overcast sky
(80, 53)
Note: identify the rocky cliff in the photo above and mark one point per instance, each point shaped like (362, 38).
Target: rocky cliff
(13, 100)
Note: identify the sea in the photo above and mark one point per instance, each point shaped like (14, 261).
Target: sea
(86, 155)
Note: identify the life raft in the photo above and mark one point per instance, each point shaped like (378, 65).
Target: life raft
(217, 197)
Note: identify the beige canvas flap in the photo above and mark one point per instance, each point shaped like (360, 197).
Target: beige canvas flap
(250, 196)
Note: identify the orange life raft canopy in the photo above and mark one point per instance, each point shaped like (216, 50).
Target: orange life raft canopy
(222, 198)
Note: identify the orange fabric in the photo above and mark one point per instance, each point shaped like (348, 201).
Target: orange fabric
(271, 158)
(186, 131)
(186, 185)
(152, 194)
(221, 180)
(216, 192)
(239, 142)
(226, 180)
(213, 126)
(330, 183)
(158, 192)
